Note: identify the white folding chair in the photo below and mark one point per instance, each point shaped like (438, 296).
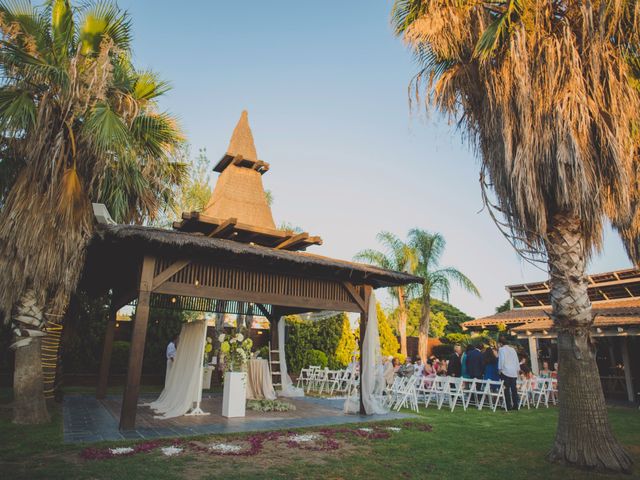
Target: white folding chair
(494, 390)
(406, 395)
(455, 392)
(524, 393)
(471, 392)
(436, 392)
(540, 391)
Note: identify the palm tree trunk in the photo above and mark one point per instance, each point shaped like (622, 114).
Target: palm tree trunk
(583, 437)
(423, 332)
(29, 406)
(402, 322)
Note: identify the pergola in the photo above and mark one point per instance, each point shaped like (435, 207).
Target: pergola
(228, 259)
(615, 298)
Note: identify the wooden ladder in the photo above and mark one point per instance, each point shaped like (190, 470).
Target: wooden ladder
(274, 366)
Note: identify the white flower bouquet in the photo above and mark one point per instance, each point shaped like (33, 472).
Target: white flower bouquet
(236, 350)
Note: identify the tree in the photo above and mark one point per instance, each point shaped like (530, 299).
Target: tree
(389, 345)
(73, 110)
(397, 256)
(547, 92)
(504, 307)
(428, 248)
(455, 317)
(347, 344)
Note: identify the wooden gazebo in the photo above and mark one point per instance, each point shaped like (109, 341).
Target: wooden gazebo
(228, 259)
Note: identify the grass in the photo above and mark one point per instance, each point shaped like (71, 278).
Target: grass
(472, 444)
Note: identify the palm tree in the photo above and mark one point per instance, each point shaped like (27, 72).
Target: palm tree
(73, 111)
(428, 248)
(397, 256)
(547, 93)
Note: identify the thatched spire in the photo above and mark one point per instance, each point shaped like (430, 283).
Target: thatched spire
(241, 143)
(239, 192)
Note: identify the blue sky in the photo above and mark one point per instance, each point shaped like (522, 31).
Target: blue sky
(325, 84)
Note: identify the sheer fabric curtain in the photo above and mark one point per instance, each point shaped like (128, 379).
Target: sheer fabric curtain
(182, 388)
(288, 389)
(372, 375)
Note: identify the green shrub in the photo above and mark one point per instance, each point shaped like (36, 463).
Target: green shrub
(316, 357)
(120, 356)
(263, 352)
(442, 351)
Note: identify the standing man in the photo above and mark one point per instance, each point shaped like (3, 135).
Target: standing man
(455, 366)
(508, 367)
(475, 365)
(171, 356)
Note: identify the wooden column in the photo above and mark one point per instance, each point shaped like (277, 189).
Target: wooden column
(626, 360)
(105, 363)
(138, 337)
(364, 317)
(533, 354)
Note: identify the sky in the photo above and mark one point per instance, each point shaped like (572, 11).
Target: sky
(325, 84)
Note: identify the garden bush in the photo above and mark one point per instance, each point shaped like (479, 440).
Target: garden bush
(442, 351)
(316, 357)
(120, 356)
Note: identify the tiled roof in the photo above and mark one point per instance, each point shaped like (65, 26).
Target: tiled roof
(625, 308)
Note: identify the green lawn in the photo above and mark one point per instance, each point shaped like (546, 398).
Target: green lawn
(475, 445)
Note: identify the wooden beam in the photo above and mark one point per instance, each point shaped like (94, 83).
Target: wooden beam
(263, 309)
(533, 354)
(626, 361)
(224, 229)
(364, 318)
(136, 353)
(169, 272)
(292, 241)
(355, 295)
(105, 363)
(307, 303)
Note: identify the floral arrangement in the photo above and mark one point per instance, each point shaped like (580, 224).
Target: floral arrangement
(270, 406)
(236, 350)
(325, 439)
(208, 348)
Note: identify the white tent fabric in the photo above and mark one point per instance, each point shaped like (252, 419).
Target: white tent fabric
(183, 387)
(288, 389)
(372, 377)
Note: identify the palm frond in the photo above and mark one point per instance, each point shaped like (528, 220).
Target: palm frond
(100, 19)
(17, 110)
(105, 129)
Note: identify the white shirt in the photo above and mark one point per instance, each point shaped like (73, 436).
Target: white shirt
(171, 350)
(418, 368)
(508, 363)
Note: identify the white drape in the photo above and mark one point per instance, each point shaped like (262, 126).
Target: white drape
(288, 389)
(372, 375)
(183, 387)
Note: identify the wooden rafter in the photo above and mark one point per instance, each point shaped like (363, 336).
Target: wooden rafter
(355, 295)
(169, 272)
(224, 229)
(293, 241)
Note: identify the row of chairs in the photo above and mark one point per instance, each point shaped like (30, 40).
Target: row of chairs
(322, 380)
(454, 391)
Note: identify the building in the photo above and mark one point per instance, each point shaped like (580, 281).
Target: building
(615, 298)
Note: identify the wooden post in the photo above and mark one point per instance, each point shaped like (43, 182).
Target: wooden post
(138, 337)
(533, 353)
(105, 363)
(364, 317)
(626, 360)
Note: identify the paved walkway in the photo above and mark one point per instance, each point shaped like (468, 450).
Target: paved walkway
(89, 420)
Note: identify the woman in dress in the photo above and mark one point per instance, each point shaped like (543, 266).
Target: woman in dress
(545, 372)
(428, 374)
(490, 360)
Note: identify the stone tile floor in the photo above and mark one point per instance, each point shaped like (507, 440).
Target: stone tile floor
(87, 419)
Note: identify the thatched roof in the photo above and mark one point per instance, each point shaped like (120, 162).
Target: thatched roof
(115, 247)
(241, 143)
(624, 308)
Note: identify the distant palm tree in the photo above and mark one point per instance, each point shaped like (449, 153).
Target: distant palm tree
(397, 256)
(79, 119)
(548, 94)
(427, 249)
